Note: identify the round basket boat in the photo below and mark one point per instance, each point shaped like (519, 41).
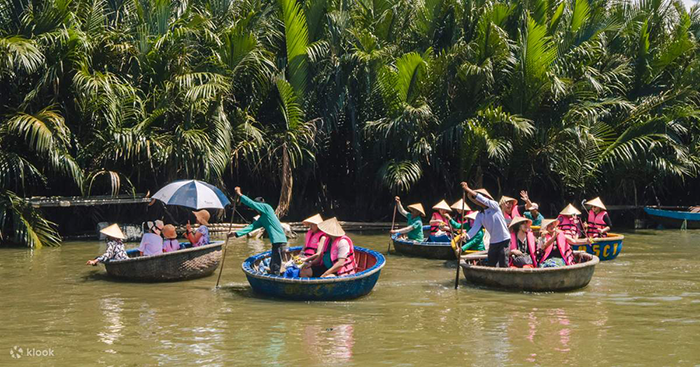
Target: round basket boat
(557, 279)
(188, 263)
(428, 250)
(605, 248)
(369, 266)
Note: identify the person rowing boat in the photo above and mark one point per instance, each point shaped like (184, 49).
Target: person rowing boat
(268, 220)
(491, 218)
(414, 230)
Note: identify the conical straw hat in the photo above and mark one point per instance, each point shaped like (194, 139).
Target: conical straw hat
(570, 210)
(417, 207)
(314, 219)
(113, 231)
(331, 227)
(460, 205)
(548, 222)
(442, 205)
(202, 216)
(505, 199)
(596, 202)
(472, 215)
(517, 220)
(484, 192)
(169, 232)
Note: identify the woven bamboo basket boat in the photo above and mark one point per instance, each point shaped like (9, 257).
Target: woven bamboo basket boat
(605, 248)
(188, 263)
(369, 266)
(557, 279)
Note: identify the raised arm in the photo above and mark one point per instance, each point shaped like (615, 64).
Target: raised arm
(402, 211)
(526, 198)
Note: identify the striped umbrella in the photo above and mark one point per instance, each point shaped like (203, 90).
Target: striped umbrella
(192, 194)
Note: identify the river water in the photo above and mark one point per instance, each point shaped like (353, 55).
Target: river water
(640, 309)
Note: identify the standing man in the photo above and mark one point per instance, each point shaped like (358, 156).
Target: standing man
(491, 218)
(268, 220)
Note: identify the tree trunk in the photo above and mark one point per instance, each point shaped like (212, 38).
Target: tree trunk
(287, 183)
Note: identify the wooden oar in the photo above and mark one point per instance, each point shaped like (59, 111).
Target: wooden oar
(459, 245)
(230, 227)
(393, 220)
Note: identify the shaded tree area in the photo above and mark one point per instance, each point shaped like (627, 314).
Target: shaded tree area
(336, 105)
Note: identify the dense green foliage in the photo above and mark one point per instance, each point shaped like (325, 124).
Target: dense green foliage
(350, 100)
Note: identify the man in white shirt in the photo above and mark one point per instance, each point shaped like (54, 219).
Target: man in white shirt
(492, 219)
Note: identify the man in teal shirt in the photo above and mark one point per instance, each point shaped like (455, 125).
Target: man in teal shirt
(534, 214)
(268, 220)
(414, 230)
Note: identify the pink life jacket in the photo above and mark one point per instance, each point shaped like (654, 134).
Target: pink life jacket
(349, 267)
(513, 213)
(564, 249)
(434, 228)
(530, 246)
(311, 241)
(569, 226)
(596, 223)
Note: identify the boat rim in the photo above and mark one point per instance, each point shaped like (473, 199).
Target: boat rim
(610, 237)
(248, 270)
(592, 262)
(165, 254)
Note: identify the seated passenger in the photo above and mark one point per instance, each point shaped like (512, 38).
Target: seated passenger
(523, 247)
(338, 254)
(414, 230)
(312, 249)
(598, 223)
(463, 210)
(476, 243)
(439, 223)
(569, 222)
(115, 247)
(509, 207)
(201, 236)
(170, 242)
(554, 249)
(152, 242)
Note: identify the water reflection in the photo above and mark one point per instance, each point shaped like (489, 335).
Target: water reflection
(113, 325)
(329, 344)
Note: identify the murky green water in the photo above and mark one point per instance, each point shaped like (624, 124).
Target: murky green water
(641, 309)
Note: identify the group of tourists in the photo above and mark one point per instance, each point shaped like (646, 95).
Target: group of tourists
(158, 239)
(327, 250)
(513, 242)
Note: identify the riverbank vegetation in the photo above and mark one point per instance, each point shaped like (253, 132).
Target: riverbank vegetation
(337, 104)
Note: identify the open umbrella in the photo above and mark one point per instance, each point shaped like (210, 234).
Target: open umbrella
(192, 194)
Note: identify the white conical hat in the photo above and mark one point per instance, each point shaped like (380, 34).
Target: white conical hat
(548, 222)
(570, 210)
(331, 227)
(113, 231)
(460, 205)
(596, 202)
(314, 219)
(472, 215)
(418, 207)
(484, 192)
(442, 205)
(505, 199)
(518, 220)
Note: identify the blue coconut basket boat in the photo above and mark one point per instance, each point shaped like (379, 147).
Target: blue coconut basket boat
(369, 266)
(429, 250)
(674, 218)
(605, 248)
